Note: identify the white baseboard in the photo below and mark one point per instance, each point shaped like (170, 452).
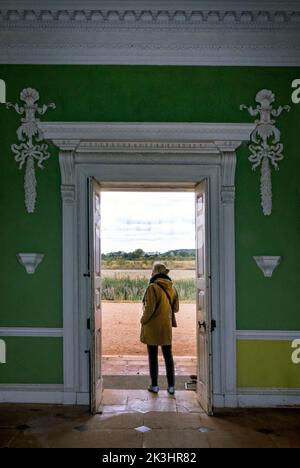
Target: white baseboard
(83, 398)
(267, 397)
(52, 394)
(69, 398)
(258, 398)
(228, 400)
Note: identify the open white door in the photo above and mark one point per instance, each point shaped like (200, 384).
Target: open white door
(203, 303)
(95, 306)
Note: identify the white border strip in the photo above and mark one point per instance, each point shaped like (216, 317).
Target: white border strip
(267, 335)
(268, 397)
(259, 398)
(41, 393)
(52, 394)
(34, 332)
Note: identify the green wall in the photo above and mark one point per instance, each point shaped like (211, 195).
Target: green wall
(266, 364)
(32, 361)
(149, 94)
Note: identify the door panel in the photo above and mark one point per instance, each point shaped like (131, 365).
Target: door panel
(95, 279)
(203, 302)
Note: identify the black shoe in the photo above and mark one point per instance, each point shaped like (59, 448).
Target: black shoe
(171, 390)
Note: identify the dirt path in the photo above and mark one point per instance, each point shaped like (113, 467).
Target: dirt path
(121, 329)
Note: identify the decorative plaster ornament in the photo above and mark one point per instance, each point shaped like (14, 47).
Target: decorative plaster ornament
(30, 261)
(267, 264)
(29, 151)
(265, 146)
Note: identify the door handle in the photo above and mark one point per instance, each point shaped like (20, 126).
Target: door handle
(202, 324)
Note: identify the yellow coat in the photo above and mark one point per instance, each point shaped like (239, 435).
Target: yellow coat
(157, 314)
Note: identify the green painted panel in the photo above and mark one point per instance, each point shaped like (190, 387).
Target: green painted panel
(151, 93)
(32, 361)
(262, 363)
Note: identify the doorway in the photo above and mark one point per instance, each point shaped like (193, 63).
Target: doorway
(204, 324)
(143, 154)
(137, 229)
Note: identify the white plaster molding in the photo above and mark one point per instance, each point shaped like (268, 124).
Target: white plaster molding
(267, 264)
(151, 32)
(31, 149)
(243, 12)
(265, 148)
(67, 145)
(267, 335)
(30, 261)
(228, 174)
(67, 170)
(158, 147)
(147, 136)
(228, 291)
(33, 332)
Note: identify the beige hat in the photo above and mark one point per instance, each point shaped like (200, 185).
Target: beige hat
(159, 268)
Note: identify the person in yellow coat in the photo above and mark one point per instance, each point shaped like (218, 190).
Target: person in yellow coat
(160, 303)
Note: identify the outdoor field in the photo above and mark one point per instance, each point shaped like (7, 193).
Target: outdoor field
(122, 293)
(130, 285)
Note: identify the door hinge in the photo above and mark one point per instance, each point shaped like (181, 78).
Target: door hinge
(213, 324)
(86, 275)
(88, 324)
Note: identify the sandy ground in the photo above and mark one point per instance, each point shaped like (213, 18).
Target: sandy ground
(121, 329)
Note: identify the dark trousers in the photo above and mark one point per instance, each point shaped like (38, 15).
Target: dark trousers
(153, 364)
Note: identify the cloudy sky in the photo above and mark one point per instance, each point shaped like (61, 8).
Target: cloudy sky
(150, 221)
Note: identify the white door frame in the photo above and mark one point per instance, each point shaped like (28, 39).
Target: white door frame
(151, 153)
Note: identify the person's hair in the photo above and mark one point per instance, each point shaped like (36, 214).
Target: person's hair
(159, 268)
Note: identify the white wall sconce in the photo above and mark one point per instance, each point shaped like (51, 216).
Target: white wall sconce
(30, 261)
(267, 264)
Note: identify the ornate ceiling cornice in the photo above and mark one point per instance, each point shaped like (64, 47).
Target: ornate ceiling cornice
(140, 13)
(152, 32)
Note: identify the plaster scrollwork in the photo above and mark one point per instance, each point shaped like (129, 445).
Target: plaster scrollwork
(67, 169)
(31, 150)
(265, 147)
(228, 175)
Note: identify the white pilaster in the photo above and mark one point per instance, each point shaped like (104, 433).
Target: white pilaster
(67, 167)
(228, 269)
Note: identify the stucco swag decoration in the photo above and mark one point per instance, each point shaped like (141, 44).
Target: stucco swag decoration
(265, 147)
(31, 149)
